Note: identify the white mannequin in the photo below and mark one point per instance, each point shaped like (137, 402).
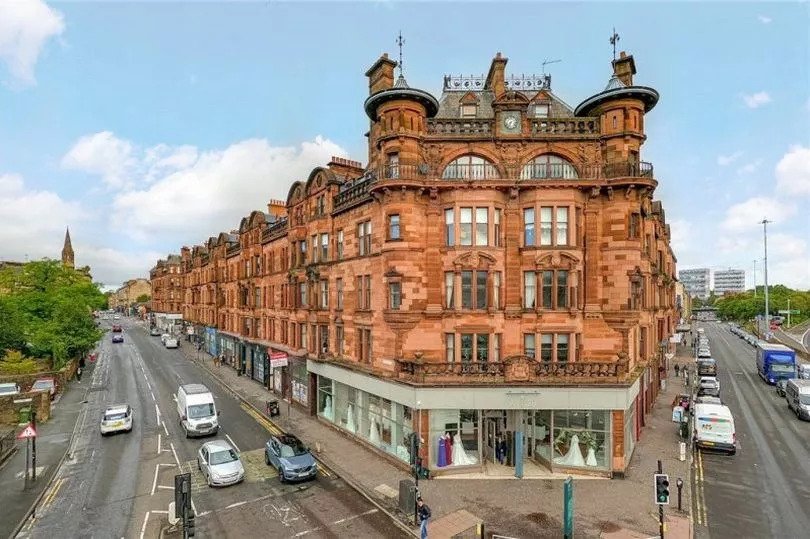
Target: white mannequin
(590, 460)
(460, 457)
(374, 433)
(350, 425)
(574, 455)
(327, 409)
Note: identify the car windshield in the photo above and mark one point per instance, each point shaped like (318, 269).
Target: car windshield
(804, 399)
(776, 367)
(113, 416)
(198, 411)
(224, 457)
(8, 389)
(293, 448)
(43, 384)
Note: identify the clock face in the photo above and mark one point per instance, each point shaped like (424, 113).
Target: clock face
(510, 122)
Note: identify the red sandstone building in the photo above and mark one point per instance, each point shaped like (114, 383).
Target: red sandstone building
(498, 270)
(167, 291)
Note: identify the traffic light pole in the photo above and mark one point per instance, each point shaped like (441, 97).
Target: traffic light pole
(660, 508)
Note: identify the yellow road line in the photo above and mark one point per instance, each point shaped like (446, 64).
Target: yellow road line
(702, 507)
(54, 490)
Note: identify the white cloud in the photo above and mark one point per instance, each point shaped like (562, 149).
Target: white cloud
(764, 19)
(103, 154)
(749, 168)
(682, 235)
(25, 27)
(793, 172)
(745, 215)
(753, 101)
(113, 266)
(184, 195)
(725, 160)
(38, 233)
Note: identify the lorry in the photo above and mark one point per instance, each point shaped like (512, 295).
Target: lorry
(775, 361)
(197, 411)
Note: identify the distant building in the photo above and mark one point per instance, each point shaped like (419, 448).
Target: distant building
(731, 281)
(126, 296)
(68, 259)
(696, 281)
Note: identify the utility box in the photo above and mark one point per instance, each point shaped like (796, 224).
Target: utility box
(25, 415)
(407, 496)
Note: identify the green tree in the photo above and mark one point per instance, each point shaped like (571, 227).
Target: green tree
(143, 298)
(12, 331)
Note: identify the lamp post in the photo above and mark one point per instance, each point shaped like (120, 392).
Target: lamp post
(764, 224)
(755, 277)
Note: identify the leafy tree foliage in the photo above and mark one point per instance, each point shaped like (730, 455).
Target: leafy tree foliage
(53, 306)
(143, 298)
(745, 306)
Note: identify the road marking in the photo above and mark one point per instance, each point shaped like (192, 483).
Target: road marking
(337, 522)
(237, 504)
(153, 396)
(165, 429)
(157, 469)
(159, 449)
(165, 488)
(54, 489)
(233, 443)
(263, 421)
(702, 508)
(157, 412)
(160, 511)
(143, 527)
(177, 460)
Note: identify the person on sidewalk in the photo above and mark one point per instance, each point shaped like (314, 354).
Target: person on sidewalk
(424, 515)
(677, 370)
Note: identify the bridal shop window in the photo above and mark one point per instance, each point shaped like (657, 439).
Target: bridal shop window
(581, 438)
(326, 401)
(541, 434)
(454, 438)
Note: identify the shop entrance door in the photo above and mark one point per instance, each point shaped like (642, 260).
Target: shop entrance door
(493, 430)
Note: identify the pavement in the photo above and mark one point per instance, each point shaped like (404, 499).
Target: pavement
(763, 490)
(515, 508)
(53, 436)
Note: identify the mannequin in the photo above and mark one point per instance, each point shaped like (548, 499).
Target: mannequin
(327, 409)
(441, 455)
(350, 425)
(460, 457)
(574, 455)
(374, 432)
(448, 448)
(590, 460)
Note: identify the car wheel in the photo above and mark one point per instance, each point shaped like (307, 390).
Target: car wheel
(266, 459)
(208, 480)
(280, 475)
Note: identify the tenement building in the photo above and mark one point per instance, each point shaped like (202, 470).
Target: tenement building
(126, 297)
(499, 270)
(167, 285)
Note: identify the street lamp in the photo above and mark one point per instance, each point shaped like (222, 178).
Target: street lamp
(764, 224)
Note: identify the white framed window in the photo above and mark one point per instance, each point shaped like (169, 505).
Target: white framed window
(468, 111)
(449, 290)
(561, 226)
(340, 244)
(540, 110)
(465, 230)
(449, 227)
(482, 226)
(546, 221)
(529, 290)
(528, 227)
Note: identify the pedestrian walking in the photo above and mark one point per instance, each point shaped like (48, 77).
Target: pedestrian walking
(677, 370)
(424, 515)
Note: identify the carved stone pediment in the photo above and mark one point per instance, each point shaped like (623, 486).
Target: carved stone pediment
(557, 260)
(474, 260)
(518, 368)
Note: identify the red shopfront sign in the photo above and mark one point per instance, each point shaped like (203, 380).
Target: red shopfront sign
(277, 359)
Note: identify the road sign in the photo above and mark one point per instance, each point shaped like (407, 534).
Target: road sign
(791, 311)
(27, 432)
(568, 508)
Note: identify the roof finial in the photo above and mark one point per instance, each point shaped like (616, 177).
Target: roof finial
(400, 42)
(613, 39)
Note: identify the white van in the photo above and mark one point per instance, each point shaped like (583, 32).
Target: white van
(171, 342)
(714, 428)
(797, 393)
(197, 411)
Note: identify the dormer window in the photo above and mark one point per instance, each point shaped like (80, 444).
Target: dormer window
(540, 110)
(468, 111)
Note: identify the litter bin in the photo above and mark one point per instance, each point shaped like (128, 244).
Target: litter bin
(272, 408)
(25, 415)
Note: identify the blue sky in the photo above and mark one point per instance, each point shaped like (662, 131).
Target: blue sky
(146, 126)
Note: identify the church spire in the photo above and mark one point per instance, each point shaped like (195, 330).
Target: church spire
(67, 251)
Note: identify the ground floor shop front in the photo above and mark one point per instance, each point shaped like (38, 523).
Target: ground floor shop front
(484, 429)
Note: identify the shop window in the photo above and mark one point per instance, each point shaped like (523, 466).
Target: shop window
(454, 438)
(581, 438)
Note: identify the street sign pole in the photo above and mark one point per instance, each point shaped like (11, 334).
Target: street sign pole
(27, 447)
(660, 507)
(568, 508)
(34, 445)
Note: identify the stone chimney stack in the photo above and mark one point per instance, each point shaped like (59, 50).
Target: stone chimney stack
(345, 167)
(277, 208)
(624, 68)
(381, 75)
(496, 78)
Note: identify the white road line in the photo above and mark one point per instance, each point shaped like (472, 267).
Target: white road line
(157, 469)
(165, 429)
(201, 514)
(160, 511)
(165, 488)
(145, 520)
(237, 504)
(159, 449)
(153, 396)
(194, 508)
(342, 520)
(157, 412)
(233, 443)
(177, 460)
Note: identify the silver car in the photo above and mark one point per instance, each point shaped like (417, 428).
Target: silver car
(220, 464)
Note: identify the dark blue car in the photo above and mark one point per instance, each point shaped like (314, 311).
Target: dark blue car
(290, 457)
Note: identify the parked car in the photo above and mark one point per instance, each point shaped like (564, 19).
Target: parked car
(117, 317)
(171, 342)
(707, 367)
(116, 418)
(164, 337)
(117, 337)
(45, 384)
(116, 328)
(706, 399)
(707, 392)
(220, 464)
(9, 389)
(781, 384)
(714, 428)
(709, 381)
(704, 353)
(292, 459)
(154, 332)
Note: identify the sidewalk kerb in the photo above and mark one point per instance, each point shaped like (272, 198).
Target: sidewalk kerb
(345, 477)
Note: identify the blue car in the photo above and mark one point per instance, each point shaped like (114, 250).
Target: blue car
(117, 337)
(290, 457)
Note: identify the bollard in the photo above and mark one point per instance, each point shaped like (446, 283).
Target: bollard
(679, 484)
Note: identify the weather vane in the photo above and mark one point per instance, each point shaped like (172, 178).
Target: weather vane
(613, 39)
(400, 42)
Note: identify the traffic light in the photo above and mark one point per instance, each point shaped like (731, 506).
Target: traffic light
(190, 524)
(661, 489)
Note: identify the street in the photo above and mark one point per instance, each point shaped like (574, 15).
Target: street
(763, 490)
(121, 485)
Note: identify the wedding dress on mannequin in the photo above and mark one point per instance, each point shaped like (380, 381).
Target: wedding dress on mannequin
(574, 455)
(328, 413)
(590, 460)
(460, 456)
(374, 433)
(350, 425)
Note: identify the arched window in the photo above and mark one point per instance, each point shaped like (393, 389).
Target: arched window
(469, 167)
(548, 166)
